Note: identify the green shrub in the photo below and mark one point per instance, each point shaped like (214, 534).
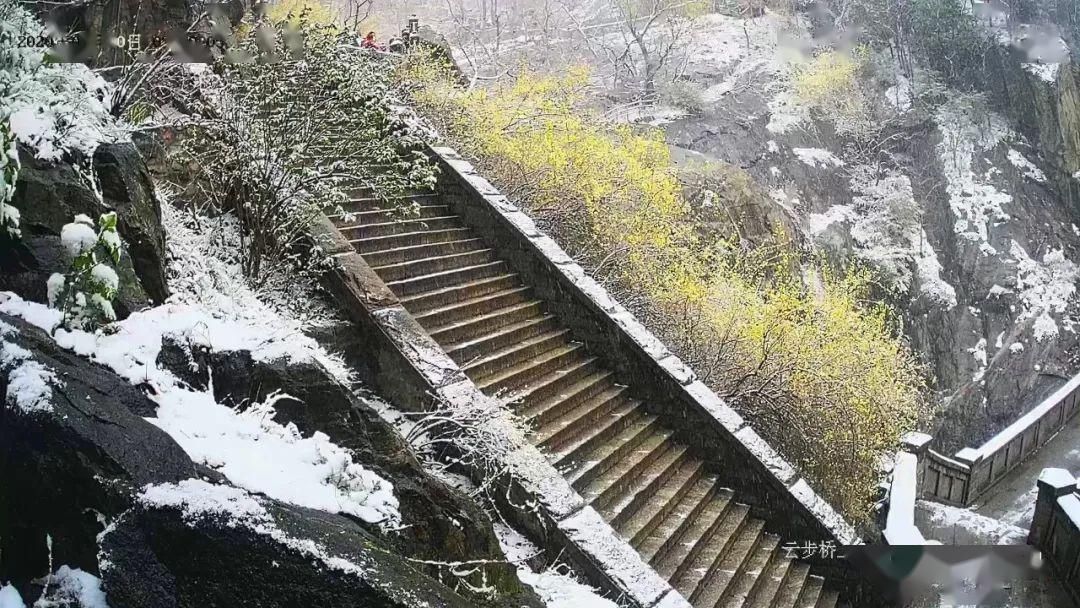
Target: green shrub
(85, 292)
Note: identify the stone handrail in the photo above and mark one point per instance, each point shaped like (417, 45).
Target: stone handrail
(1055, 527)
(965, 477)
(902, 491)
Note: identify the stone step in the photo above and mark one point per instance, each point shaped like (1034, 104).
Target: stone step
(572, 454)
(376, 216)
(357, 230)
(641, 516)
(486, 321)
(790, 588)
(767, 593)
(625, 470)
(447, 278)
(447, 296)
(709, 531)
(605, 453)
(568, 397)
(499, 338)
(523, 352)
(654, 538)
(364, 200)
(408, 239)
(554, 384)
(629, 495)
(450, 315)
(517, 375)
(410, 253)
(704, 587)
(812, 592)
(752, 574)
(426, 266)
(553, 434)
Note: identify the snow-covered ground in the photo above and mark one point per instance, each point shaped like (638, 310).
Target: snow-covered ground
(555, 585)
(66, 587)
(212, 307)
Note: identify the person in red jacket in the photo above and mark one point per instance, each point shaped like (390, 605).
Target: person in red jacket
(369, 41)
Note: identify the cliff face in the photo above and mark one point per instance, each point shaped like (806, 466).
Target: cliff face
(967, 207)
(1044, 106)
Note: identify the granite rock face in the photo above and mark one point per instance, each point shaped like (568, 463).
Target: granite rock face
(48, 196)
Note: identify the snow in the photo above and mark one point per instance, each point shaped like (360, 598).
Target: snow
(1016, 348)
(817, 157)
(198, 499)
(77, 238)
(719, 49)
(53, 107)
(258, 454)
(28, 381)
(10, 598)
(900, 522)
(9, 216)
(247, 446)
(1025, 422)
(899, 95)
(73, 587)
(105, 276)
(819, 222)
(53, 286)
(1026, 167)
(979, 353)
(928, 271)
(786, 113)
(1058, 478)
(592, 534)
(883, 218)
(213, 307)
(1045, 288)
(1070, 504)
(1048, 72)
(556, 588)
(975, 202)
(956, 525)
(205, 269)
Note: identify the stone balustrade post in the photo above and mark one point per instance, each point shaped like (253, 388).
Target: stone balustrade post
(1052, 484)
(917, 444)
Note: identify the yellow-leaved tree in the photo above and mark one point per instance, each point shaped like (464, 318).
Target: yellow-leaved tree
(791, 343)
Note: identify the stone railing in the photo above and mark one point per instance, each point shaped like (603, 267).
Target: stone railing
(962, 479)
(1055, 527)
(901, 492)
(742, 459)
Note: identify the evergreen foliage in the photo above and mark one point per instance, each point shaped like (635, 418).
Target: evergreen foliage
(85, 292)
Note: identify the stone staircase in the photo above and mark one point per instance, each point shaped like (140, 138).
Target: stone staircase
(621, 459)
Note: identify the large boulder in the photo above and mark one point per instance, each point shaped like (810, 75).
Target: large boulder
(198, 544)
(438, 522)
(74, 457)
(49, 196)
